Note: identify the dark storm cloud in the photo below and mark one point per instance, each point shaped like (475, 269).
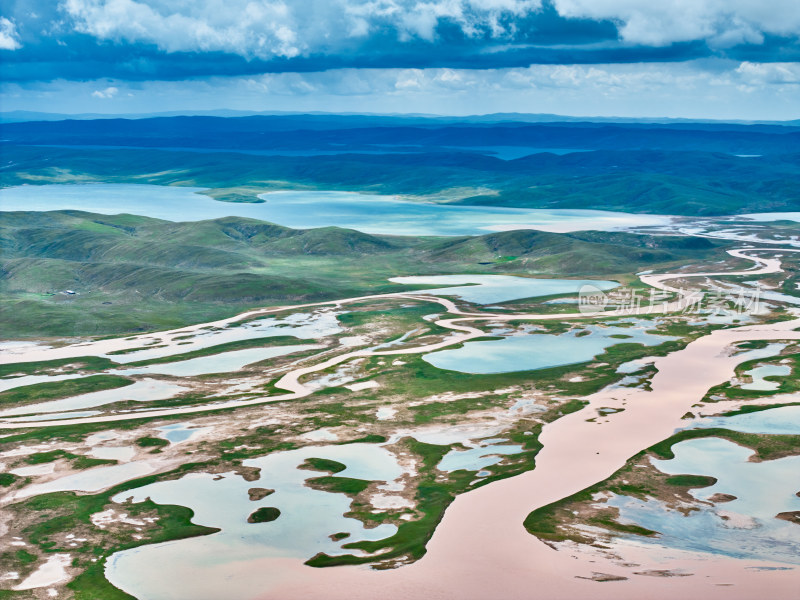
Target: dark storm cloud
(138, 40)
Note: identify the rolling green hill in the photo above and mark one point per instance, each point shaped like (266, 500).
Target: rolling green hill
(135, 273)
(636, 180)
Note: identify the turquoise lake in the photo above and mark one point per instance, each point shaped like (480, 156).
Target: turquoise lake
(488, 289)
(541, 350)
(308, 209)
(745, 527)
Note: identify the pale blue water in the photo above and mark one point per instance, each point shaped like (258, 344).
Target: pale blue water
(762, 490)
(784, 420)
(766, 352)
(199, 567)
(306, 326)
(144, 390)
(773, 216)
(225, 362)
(633, 366)
(540, 351)
(178, 432)
(8, 383)
(487, 289)
(90, 480)
(778, 296)
(475, 459)
(759, 382)
(308, 209)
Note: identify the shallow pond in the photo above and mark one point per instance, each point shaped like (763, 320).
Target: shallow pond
(144, 390)
(206, 567)
(745, 527)
(784, 420)
(480, 457)
(488, 289)
(91, 480)
(541, 351)
(176, 433)
(772, 216)
(758, 375)
(225, 362)
(307, 326)
(767, 351)
(307, 209)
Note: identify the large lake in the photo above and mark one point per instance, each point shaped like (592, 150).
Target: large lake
(225, 565)
(542, 350)
(308, 209)
(745, 527)
(487, 289)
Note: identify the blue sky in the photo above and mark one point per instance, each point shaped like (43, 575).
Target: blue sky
(680, 58)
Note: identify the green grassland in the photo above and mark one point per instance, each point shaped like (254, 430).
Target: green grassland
(77, 461)
(323, 464)
(64, 366)
(135, 274)
(265, 514)
(41, 392)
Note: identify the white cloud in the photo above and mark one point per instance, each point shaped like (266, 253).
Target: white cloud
(586, 81)
(757, 74)
(692, 89)
(721, 22)
(277, 28)
(695, 89)
(9, 38)
(246, 28)
(108, 92)
(288, 28)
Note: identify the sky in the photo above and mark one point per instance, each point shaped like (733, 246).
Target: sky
(718, 59)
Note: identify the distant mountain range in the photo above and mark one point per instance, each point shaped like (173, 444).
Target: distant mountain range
(364, 133)
(684, 168)
(15, 116)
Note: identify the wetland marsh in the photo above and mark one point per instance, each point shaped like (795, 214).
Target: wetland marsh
(414, 427)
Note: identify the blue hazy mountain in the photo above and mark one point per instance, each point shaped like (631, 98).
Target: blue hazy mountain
(375, 132)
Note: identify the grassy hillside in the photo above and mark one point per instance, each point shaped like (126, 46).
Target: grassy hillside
(136, 273)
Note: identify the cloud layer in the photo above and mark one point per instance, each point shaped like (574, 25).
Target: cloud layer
(357, 48)
(276, 28)
(689, 90)
(173, 39)
(9, 39)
